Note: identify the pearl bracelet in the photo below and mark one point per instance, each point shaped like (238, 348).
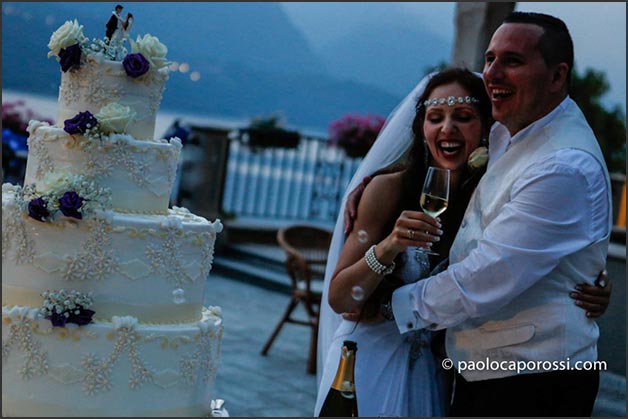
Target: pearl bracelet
(375, 265)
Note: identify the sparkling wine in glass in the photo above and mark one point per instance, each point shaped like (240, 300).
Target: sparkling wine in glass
(435, 193)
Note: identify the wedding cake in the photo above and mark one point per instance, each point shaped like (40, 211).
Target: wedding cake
(102, 284)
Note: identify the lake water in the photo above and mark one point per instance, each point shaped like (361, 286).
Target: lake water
(46, 107)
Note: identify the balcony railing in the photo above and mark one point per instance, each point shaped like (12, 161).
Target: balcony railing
(302, 183)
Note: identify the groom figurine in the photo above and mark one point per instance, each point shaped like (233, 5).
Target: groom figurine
(538, 224)
(112, 24)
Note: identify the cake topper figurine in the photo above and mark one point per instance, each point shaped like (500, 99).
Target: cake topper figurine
(112, 24)
(117, 33)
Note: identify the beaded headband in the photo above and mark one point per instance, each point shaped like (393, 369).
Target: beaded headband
(451, 100)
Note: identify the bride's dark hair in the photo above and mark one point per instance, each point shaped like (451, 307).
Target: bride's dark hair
(125, 24)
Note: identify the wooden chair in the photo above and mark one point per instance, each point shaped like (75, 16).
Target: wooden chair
(306, 250)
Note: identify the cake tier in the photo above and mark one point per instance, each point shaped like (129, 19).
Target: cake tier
(112, 368)
(99, 82)
(152, 267)
(139, 174)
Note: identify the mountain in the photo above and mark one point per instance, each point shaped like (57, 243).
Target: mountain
(388, 45)
(391, 58)
(251, 59)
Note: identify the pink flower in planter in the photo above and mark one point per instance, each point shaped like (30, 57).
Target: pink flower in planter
(355, 133)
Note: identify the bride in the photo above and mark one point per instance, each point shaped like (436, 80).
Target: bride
(122, 32)
(399, 375)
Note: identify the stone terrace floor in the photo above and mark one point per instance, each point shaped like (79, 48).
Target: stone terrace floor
(277, 385)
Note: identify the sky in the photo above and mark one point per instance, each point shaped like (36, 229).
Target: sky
(598, 30)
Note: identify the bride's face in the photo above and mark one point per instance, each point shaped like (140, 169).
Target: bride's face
(452, 132)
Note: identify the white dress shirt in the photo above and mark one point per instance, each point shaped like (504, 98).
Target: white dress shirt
(544, 221)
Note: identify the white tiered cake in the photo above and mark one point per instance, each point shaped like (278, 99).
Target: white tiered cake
(102, 283)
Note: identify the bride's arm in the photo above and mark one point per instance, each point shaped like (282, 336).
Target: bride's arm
(377, 211)
(352, 269)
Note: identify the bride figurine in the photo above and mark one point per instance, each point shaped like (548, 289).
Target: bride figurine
(116, 49)
(122, 32)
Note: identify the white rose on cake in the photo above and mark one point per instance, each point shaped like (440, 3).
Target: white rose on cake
(115, 118)
(69, 33)
(150, 47)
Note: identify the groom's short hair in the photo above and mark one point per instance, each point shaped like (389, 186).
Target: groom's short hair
(555, 45)
(119, 6)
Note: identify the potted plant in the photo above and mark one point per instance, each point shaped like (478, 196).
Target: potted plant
(269, 132)
(355, 133)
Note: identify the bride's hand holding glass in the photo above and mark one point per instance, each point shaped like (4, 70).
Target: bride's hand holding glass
(435, 193)
(412, 229)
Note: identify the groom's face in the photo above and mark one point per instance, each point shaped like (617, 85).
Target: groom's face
(516, 77)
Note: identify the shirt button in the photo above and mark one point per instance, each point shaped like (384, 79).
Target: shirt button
(409, 325)
(463, 224)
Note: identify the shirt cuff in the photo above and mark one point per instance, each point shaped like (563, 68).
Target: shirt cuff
(403, 308)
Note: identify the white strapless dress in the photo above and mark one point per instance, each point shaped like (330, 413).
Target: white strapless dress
(395, 375)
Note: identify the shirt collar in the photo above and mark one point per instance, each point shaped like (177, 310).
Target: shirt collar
(539, 124)
(500, 138)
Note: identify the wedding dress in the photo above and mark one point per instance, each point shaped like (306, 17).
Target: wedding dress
(395, 375)
(122, 33)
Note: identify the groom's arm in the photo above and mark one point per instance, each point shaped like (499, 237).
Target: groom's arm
(555, 210)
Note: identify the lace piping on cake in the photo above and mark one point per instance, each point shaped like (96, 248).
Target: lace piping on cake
(156, 95)
(40, 152)
(203, 359)
(208, 254)
(69, 90)
(14, 234)
(98, 92)
(95, 372)
(165, 257)
(21, 335)
(98, 372)
(96, 259)
(103, 155)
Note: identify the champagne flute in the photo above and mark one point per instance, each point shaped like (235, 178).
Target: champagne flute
(435, 194)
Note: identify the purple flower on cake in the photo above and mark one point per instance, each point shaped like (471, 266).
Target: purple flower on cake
(135, 65)
(38, 209)
(70, 57)
(62, 307)
(58, 319)
(81, 317)
(80, 123)
(70, 203)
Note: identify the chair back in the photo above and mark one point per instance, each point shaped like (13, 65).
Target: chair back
(306, 250)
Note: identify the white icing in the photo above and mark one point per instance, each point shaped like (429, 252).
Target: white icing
(129, 261)
(108, 369)
(139, 174)
(99, 82)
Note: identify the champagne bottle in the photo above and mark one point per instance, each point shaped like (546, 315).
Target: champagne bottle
(341, 400)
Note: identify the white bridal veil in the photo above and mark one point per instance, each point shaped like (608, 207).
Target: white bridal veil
(392, 143)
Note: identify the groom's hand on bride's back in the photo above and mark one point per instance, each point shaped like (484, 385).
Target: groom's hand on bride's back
(594, 299)
(351, 207)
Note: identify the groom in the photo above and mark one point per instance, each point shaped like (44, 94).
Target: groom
(538, 224)
(112, 24)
